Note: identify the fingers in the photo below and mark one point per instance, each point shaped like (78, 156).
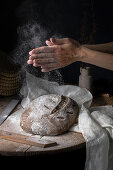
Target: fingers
(44, 60)
(49, 67)
(51, 46)
(54, 41)
(33, 56)
(41, 56)
(41, 59)
(46, 67)
(35, 65)
(44, 49)
(49, 43)
(60, 41)
(45, 63)
(30, 62)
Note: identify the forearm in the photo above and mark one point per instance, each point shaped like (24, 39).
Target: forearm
(106, 48)
(100, 59)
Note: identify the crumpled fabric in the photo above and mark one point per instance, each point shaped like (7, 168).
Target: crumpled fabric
(95, 123)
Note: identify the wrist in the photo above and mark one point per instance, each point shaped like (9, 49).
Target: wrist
(82, 53)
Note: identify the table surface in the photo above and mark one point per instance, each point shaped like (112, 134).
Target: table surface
(66, 142)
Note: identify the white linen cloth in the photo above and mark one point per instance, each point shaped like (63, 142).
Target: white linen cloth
(96, 123)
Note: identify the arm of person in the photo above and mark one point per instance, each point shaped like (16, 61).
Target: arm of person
(62, 52)
(106, 47)
(97, 58)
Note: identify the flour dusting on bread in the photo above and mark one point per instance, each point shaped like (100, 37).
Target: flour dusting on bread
(49, 115)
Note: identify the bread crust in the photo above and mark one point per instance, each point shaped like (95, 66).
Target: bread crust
(49, 115)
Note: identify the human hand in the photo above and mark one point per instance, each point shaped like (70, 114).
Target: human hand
(57, 54)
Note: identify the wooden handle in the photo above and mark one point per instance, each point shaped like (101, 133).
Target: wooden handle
(26, 139)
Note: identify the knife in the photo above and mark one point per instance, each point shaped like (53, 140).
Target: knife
(8, 109)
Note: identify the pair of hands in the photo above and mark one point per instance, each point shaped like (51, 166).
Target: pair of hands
(57, 54)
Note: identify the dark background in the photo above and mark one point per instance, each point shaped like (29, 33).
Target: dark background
(88, 21)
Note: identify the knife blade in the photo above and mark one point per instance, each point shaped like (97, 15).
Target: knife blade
(8, 109)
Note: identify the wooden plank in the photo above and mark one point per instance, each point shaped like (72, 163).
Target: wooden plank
(10, 148)
(26, 139)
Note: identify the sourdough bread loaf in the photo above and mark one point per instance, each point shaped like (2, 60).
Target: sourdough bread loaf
(49, 115)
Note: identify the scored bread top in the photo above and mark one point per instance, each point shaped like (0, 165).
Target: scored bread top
(49, 115)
